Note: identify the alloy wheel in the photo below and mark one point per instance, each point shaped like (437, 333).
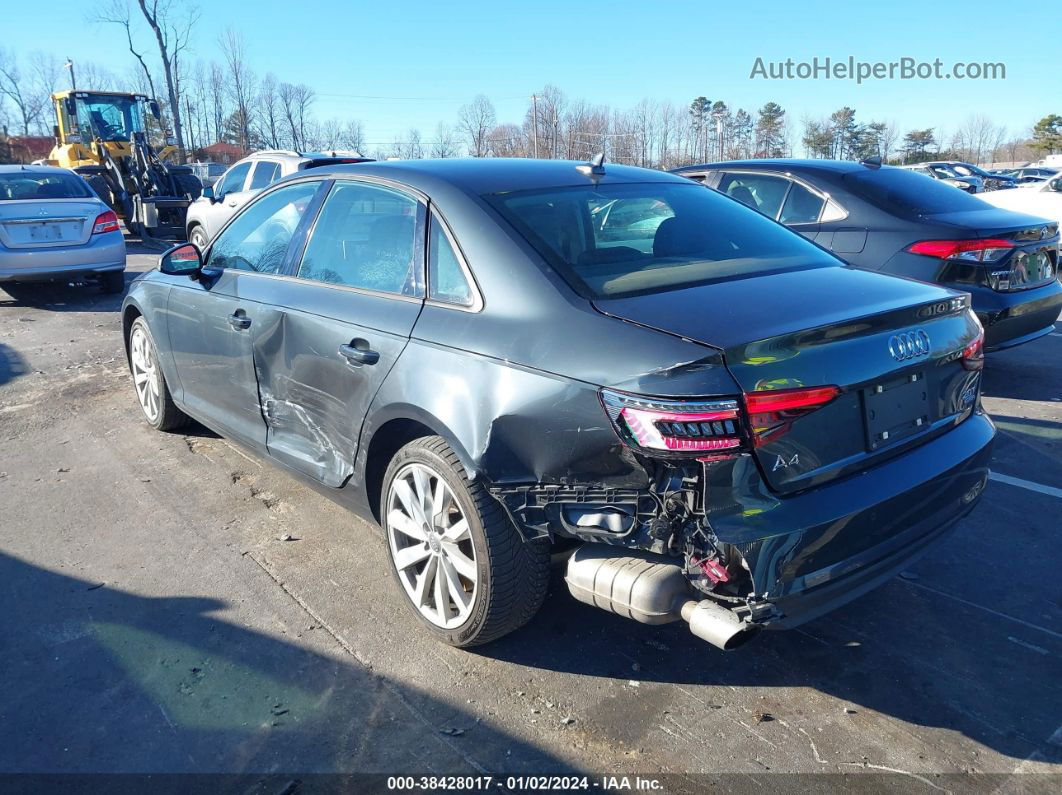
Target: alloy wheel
(145, 372)
(431, 545)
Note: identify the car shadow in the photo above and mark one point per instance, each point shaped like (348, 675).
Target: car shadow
(1019, 373)
(100, 679)
(72, 295)
(11, 364)
(907, 650)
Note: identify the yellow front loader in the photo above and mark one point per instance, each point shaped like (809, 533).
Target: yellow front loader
(102, 135)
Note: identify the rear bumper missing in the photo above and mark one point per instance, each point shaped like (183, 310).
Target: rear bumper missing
(812, 552)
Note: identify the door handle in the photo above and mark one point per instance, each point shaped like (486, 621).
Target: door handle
(239, 321)
(355, 356)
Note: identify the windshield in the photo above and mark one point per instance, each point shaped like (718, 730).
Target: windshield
(51, 185)
(614, 240)
(114, 118)
(898, 190)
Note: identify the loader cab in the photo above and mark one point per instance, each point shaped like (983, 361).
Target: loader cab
(112, 117)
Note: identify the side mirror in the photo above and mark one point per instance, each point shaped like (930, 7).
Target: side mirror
(71, 106)
(181, 260)
(208, 193)
(153, 106)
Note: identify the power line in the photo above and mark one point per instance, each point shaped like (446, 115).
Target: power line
(411, 99)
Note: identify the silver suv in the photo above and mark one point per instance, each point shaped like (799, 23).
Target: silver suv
(244, 179)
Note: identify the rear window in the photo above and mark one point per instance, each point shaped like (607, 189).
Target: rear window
(907, 193)
(615, 240)
(57, 185)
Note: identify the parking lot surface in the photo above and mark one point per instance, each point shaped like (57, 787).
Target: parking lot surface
(172, 605)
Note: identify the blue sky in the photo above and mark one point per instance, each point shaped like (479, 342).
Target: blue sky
(431, 57)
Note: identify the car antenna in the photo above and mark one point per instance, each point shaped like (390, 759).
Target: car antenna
(595, 167)
(872, 162)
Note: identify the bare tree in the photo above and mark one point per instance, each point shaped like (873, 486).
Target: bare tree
(117, 13)
(241, 86)
(353, 136)
(30, 92)
(445, 143)
(269, 110)
(295, 102)
(506, 140)
(218, 105)
(476, 120)
(172, 26)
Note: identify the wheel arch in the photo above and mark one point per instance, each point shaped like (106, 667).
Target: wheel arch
(388, 431)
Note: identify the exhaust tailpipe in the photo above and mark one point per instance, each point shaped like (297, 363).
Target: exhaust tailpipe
(650, 590)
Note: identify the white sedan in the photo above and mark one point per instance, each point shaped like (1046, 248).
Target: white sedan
(1044, 199)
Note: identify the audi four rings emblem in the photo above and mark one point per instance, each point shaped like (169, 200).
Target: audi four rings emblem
(909, 345)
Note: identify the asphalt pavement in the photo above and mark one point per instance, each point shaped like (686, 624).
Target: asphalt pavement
(155, 619)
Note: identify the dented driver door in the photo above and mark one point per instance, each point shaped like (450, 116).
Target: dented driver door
(336, 325)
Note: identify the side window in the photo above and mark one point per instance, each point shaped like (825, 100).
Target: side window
(759, 191)
(365, 237)
(446, 278)
(801, 206)
(265, 172)
(234, 179)
(258, 238)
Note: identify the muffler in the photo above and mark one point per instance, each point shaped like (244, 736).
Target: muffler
(650, 590)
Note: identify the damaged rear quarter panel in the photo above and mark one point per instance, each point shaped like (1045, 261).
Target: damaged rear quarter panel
(514, 386)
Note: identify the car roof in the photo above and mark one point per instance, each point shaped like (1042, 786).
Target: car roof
(14, 169)
(783, 164)
(484, 175)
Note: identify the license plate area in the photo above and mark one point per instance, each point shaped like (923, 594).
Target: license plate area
(895, 409)
(51, 232)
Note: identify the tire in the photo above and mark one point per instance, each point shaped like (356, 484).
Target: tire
(100, 187)
(512, 575)
(197, 237)
(188, 184)
(153, 394)
(112, 282)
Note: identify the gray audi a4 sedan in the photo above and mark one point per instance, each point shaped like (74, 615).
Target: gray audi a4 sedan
(490, 357)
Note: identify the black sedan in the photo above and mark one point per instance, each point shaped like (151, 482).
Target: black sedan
(488, 356)
(895, 221)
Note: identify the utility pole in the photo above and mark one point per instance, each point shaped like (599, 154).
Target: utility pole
(534, 119)
(719, 131)
(70, 65)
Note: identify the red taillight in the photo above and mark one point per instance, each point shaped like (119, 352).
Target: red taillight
(675, 426)
(789, 399)
(973, 355)
(712, 426)
(105, 222)
(986, 250)
(773, 411)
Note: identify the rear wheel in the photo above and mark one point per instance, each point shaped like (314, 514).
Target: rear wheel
(149, 382)
(464, 569)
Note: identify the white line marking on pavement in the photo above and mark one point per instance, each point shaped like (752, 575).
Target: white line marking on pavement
(1051, 491)
(1031, 646)
(1021, 621)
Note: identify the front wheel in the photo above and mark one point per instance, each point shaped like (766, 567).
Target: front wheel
(463, 567)
(149, 382)
(197, 237)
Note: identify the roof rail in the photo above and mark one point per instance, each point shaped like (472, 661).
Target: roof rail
(277, 152)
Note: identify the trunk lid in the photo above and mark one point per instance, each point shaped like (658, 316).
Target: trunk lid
(49, 223)
(1034, 260)
(831, 326)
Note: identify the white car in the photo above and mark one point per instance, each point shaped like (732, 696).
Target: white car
(1043, 199)
(244, 179)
